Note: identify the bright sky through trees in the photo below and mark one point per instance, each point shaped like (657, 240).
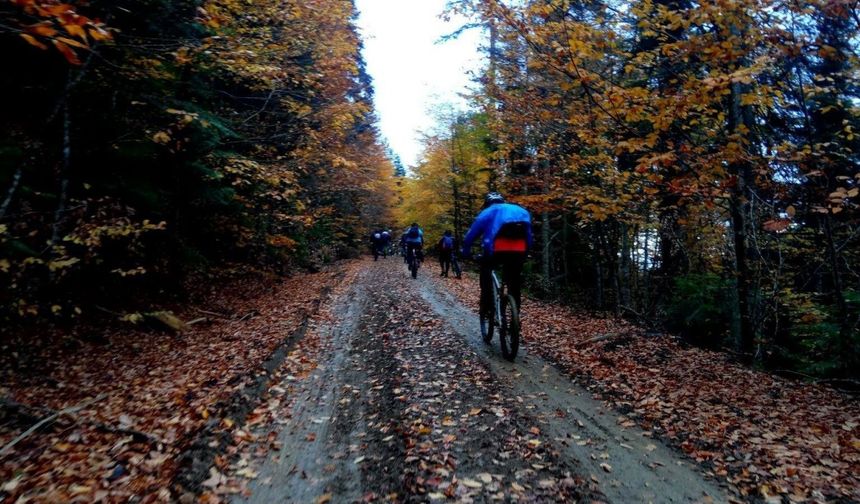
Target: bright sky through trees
(411, 71)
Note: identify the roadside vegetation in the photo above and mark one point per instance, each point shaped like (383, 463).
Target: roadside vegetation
(690, 166)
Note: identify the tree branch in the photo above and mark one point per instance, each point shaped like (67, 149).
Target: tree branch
(65, 411)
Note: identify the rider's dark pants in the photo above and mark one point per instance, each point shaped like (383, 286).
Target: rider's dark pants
(445, 260)
(511, 265)
(376, 249)
(414, 248)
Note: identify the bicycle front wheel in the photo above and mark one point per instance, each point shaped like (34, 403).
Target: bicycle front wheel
(509, 332)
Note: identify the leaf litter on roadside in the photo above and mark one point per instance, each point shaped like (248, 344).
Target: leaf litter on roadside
(159, 392)
(765, 435)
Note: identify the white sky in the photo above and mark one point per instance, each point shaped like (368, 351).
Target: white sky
(411, 73)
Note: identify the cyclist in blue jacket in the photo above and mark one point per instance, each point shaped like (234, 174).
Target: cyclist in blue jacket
(414, 239)
(506, 232)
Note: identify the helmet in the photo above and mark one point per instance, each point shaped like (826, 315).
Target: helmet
(493, 198)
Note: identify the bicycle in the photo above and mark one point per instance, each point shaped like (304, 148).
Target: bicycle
(503, 314)
(413, 260)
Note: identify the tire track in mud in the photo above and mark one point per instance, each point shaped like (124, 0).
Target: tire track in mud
(629, 465)
(401, 408)
(333, 427)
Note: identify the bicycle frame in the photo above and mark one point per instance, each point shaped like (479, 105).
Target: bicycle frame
(505, 318)
(497, 298)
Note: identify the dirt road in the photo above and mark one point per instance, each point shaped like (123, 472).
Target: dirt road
(407, 403)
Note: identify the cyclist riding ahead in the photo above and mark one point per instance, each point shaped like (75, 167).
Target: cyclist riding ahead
(506, 232)
(414, 238)
(386, 243)
(376, 242)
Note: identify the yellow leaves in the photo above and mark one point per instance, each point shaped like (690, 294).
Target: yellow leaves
(162, 137)
(92, 236)
(26, 309)
(76, 31)
(62, 263)
(5, 265)
(132, 318)
(594, 212)
(281, 241)
(98, 33)
(750, 99)
(129, 272)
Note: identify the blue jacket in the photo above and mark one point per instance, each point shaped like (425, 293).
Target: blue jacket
(490, 221)
(415, 241)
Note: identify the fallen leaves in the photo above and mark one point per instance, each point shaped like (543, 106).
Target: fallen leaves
(470, 483)
(159, 392)
(802, 439)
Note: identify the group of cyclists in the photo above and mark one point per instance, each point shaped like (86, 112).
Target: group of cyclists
(380, 243)
(505, 233)
(506, 236)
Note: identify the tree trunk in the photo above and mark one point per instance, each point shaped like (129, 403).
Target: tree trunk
(624, 267)
(598, 270)
(741, 220)
(16, 179)
(63, 173)
(845, 324)
(545, 236)
(646, 274)
(565, 246)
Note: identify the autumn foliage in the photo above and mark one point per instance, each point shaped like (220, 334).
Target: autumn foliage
(690, 165)
(145, 141)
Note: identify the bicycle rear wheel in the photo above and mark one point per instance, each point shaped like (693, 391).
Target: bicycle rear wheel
(488, 314)
(487, 327)
(509, 332)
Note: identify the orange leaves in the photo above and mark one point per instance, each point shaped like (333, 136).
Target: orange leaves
(33, 41)
(42, 29)
(776, 225)
(66, 51)
(53, 18)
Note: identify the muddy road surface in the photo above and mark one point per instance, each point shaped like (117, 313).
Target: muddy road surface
(402, 401)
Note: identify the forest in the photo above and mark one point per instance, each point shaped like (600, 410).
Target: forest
(144, 143)
(690, 166)
(189, 311)
(693, 166)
